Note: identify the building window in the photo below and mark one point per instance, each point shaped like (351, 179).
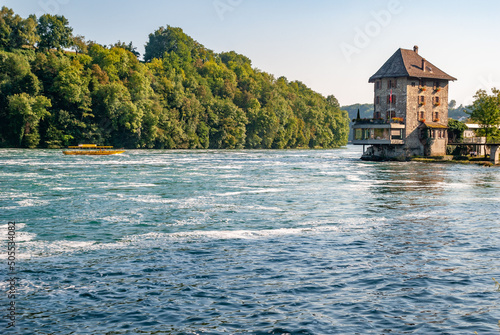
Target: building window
(396, 134)
(378, 84)
(391, 101)
(377, 115)
(390, 114)
(437, 86)
(392, 83)
(413, 84)
(421, 116)
(358, 134)
(421, 85)
(380, 134)
(377, 100)
(436, 101)
(436, 117)
(421, 100)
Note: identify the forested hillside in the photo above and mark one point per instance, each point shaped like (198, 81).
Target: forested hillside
(56, 89)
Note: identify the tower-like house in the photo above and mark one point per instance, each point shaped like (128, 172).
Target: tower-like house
(411, 109)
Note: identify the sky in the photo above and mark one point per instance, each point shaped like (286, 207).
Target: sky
(331, 46)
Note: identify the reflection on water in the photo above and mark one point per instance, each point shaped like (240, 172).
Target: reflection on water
(408, 186)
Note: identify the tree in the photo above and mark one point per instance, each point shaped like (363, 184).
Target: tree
(228, 126)
(25, 115)
(54, 32)
(456, 130)
(485, 110)
(332, 101)
(16, 32)
(79, 44)
(184, 96)
(16, 76)
(452, 104)
(129, 47)
(167, 40)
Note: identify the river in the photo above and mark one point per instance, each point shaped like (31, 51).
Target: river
(249, 242)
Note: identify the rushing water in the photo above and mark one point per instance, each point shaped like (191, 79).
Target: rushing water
(259, 242)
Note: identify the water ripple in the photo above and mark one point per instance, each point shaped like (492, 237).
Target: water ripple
(260, 242)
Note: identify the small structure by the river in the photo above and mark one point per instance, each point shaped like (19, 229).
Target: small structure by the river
(411, 110)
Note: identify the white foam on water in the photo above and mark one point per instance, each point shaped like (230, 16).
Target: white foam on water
(36, 249)
(155, 200)
(188, 222)
(12, 195)
(253, 191)
(33, 202)
(225, 167)
(264, 208)
(63, 189)
(203, 236)
(4, 227)
(23, 236)
(25, 286)
(217, 235)
(125, 185)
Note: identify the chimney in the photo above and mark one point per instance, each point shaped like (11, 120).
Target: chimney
(424, 64)
(415, 49)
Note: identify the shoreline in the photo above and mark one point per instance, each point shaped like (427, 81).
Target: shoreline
(451, 160)
(448, 159)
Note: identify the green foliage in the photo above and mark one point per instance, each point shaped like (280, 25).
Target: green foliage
(485, 110)
(79, 44)
(456, 130)
(54, 32)
(166, 40)
(16, 32)
(184, 96)
(25, 112)
(129, 47)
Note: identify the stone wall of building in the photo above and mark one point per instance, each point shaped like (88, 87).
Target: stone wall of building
(438, 147)
(414, 101)
(385, 152)
(427, 100)
(430, 93)
(413, 142)
(382, 106)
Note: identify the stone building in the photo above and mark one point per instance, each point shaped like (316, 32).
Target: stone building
(411, 109)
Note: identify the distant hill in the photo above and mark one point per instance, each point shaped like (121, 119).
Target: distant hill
(365, 110)
(455, 112)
